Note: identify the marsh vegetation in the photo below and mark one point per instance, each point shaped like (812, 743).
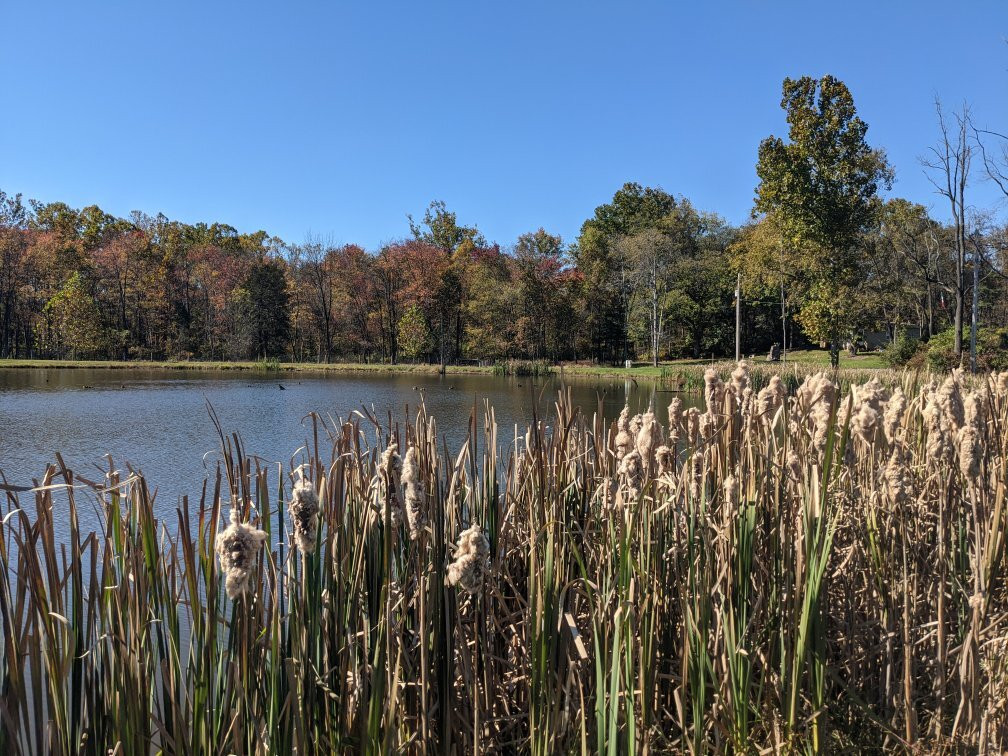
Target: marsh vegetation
(807, 568)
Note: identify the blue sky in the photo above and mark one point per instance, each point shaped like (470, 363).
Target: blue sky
(338, 119)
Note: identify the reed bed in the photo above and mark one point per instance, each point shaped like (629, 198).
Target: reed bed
(820, 569)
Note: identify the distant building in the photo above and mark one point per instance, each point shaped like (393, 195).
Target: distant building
(875, 340)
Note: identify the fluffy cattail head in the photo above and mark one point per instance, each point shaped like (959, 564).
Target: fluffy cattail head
(892, 419)
(472, 560)
(770, 398)
(898, 480)
(416, 513)
(692, 423)
(304, 509)
(949, 398)
(969, 452)
(866, 405)
(675, 415)
(649, 437)
(1001, 383)
(714, 391)
(631, 471)
(390, 472)
(624, 440)
(740, 378)
(665, 458)
(730, 486)
(237, 546)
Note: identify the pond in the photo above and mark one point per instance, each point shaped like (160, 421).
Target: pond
(158, 421)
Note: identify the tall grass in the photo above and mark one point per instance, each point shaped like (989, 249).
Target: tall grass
(821, 572)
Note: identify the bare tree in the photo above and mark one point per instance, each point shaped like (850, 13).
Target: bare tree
(995, 157)
(947, 168)
(650, 254)
(318, 272)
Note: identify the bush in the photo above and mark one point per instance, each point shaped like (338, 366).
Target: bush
(901, 350)
(992, 349)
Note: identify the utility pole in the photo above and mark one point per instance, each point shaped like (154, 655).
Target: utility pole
(738, 317)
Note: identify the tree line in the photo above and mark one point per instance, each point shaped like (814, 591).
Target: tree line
(824, 260)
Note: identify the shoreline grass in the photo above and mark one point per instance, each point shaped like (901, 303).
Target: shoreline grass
(805, 359)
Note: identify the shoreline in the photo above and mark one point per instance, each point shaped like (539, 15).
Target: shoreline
(803, 361)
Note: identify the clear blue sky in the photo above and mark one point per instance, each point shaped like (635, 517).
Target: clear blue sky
(341, 118)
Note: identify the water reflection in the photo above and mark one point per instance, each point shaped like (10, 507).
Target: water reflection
(158, 420)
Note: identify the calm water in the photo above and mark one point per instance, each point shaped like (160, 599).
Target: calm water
(158, 421)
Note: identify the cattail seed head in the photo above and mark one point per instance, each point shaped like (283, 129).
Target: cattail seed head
(898, 479)
(649, 437)
(770, 397)
(969, 452)
(714, 392)
(416, 513)
(949, 398)
(675, 415)
(692, 422)
(390, 471)
(623, 440)
(472, 560)
(237, 546)
(665, 458)
(892, 419)
(740, 379)
(304, 509)
(631, 471)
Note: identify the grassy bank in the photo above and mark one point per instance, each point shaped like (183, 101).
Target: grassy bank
(738, 580)
(807, 358)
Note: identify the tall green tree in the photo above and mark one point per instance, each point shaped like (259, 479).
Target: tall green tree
(604, 263)
(822, 185)
(266, 308)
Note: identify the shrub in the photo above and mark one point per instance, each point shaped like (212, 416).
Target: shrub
(992, 349)
(901, 350)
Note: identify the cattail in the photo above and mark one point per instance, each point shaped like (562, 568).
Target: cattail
(696, 474)
(390, 469)
(237, 546)
(714, 391)
(938, 447)
(814, 399)
(747, 405)
(730, 486)
(892, 419)
(794, 467)
(472, 560)
(969, 452)
(692, 423)
(740, 379)
(675, 417)
(1001, 383)
(636, 423)
(866, 409)
(949, 398)
(970, 435)
(623, 440)
(649, 437)
(665, 458)
(770, 398)
(631, 471)
(708, 426)
(898, 480)
(416, 514)
(304, 510)
(973, 408)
